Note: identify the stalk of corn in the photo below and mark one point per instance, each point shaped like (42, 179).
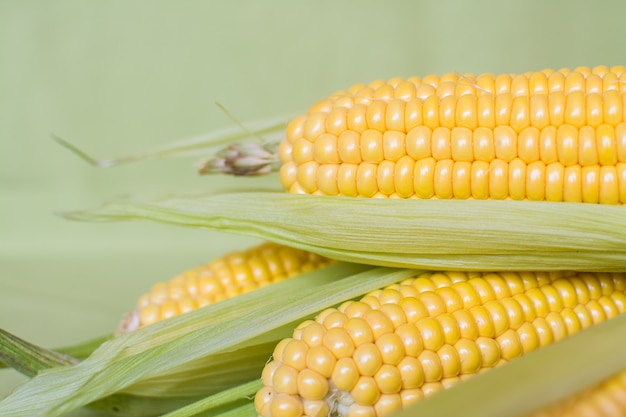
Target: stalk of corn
(233, 274)
(547, 135)
(412, 339)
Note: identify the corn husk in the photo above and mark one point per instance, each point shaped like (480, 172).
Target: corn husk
(426, 234)
(224, 398)
(145, 362)
(80, 351)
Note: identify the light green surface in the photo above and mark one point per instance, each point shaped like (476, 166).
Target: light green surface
(120, 76)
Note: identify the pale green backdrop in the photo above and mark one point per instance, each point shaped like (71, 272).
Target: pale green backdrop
(120, 76)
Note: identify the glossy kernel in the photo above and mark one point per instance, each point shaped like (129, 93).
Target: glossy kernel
(311, 385)
(388, 379)
(338, 342)
(489, 351)
(365, 392)
(391, 348)
(286, 406)
(431, 365)
(321, 360)
(368, 359)
(345, 375)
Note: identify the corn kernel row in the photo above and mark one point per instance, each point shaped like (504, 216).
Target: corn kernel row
(409, 340)
(604, 145)
(223, 278)
(447, 179)
(469, 111)
(597, 80)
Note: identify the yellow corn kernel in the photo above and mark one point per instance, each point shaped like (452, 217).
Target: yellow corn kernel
(461, 180)
(307, 176)
(447, 111)
(368, 359)
(385, 91)
(376, 115)
(366, 179)
(314, 125)
(357, 118)
(222, 278)
(528, 145)
(432, 331)
(372, 146)
(394, 117)
(383, 178)
(336, 121)
(461, 144)
(573, 117)
(520, 117)
(403, 176)
(325, 149)
(440, 142)
(539, 112)
(431, 111)
(327, 179)
(556, 81)
(405, 90)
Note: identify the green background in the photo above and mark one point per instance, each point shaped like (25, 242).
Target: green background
(120, 76)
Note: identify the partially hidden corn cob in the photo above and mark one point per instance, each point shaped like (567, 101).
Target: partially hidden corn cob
(607, 399)
(223, 278)
(546, 135)
(414, 338)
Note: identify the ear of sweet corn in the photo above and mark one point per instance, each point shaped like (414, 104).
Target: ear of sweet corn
(222, 278)
(412, 339)
(548, 135)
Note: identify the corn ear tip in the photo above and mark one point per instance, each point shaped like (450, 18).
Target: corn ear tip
(129, 323)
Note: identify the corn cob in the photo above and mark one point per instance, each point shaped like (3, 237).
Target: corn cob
(412, 339)
(226, 277)
(547, 135)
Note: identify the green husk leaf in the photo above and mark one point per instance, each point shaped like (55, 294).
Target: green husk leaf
(83, 350)
(29, 358)
(428, 234)
(129, 405)
(541, 378)
(79, 351)
(244, 391)
(202, 145)
(245, 410)
(162, 348)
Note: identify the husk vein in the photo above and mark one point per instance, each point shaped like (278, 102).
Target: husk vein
(427, 234)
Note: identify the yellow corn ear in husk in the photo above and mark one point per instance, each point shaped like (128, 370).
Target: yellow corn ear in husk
(488, 172)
